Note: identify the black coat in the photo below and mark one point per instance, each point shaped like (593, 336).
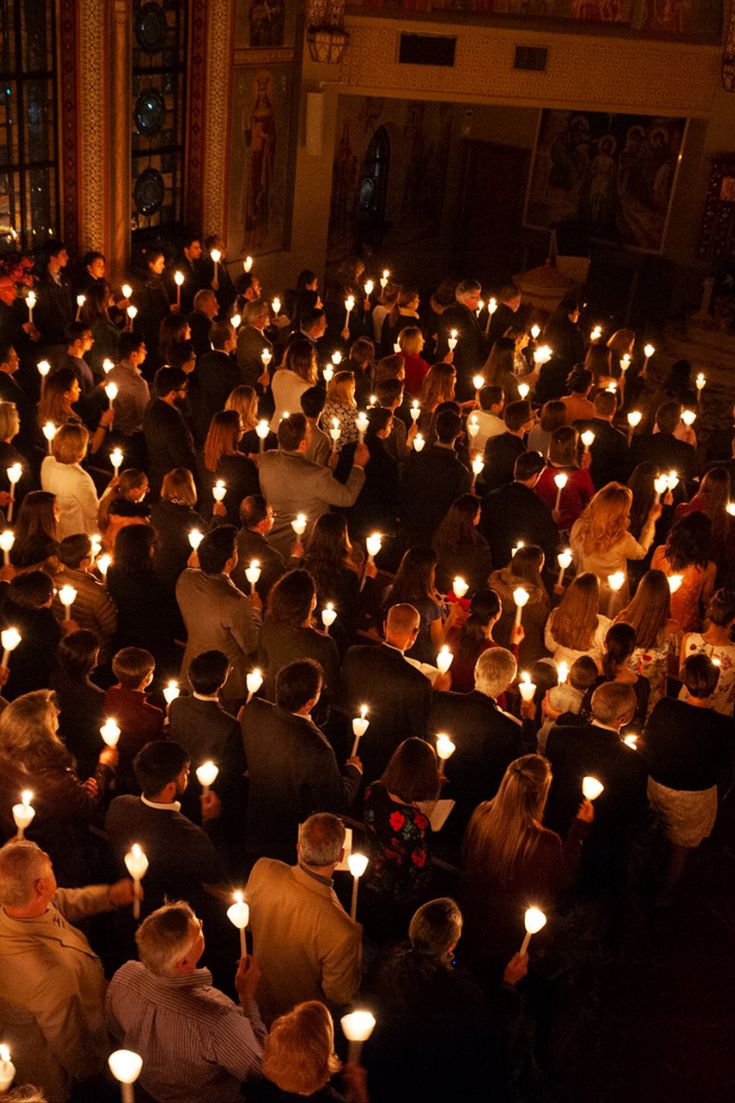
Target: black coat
(53, 311)
(173, 522)
(667, 452)
(147, 616)
(472, 346)
(200, 325)
(398, 697)
(293, 773)
(209, 732)
(432, 481)
(240, 476)
(376, 508)
(168, 441)
(610, 453)
(512, 513)
(501, 453)
(82, 714)
(216, 376)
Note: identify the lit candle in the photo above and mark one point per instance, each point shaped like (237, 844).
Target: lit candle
(7, 1069)
(336, 358)
(178, 280)
(591, 788)
(239, 915)
(216, 256)
(103, 564)
(596, 333)
(349, 307)
(478, 466)
(517, 547)
(195, 538)
(81, 300)
(266, 356)
(473, 426)
(125, 1066)
(357, 863)
(459, 586)
(276, 305)
(480, 307)
(616, 582)
(661, 485)
(369, 285)
(171, 691)
(131, 312)
(235, 321)
(107, 365)
(219, 491)
(299, 525)
(67, 597)
(699, 383)
(444, 659)
(560, 481)
(625, 363)
(588, 438)
(357, 1028)
(520, 597)
(137, 866)
(672, 480)
(373, 400)
(127, 290)
(49, 431)
(361, 424)
(541, 355)
(14, 473)
(43, 369)
(418, 442)
(111, 392)
(648, 351)
(564, 559)
(116, 458)
(452, 339)
(328, 372)
(445, 748)
(207, 775)
(688, 417)
(335, 433)
(247, 263)
(523, 390)
(262, 429)
(631, 740)
(384, 278)
(535, 332)
(23, 813)
(360, 725)
(254, 680)
(562, 669)
(675, 581)
(110, 733)
(526, 687)
(534, 921)
(10, 638)
(373, 543)
(478, 382)
(30, 302)
(96, 545)
(329, 616)
(730, 507)
(415, 410)
(7, 539)
(252, 574)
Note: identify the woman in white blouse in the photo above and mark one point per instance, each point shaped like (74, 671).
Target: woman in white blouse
(575, 628)
(298, 373)
(63, 475)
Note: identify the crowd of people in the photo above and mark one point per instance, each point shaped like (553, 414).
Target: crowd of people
(448, 585)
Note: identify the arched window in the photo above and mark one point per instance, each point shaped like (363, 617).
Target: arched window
(373, 189)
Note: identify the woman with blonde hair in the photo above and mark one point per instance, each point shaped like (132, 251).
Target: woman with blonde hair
(62, 474)
(131, 486)
(601, 539)
(578, 490)
(59, 395)
(575, 628)
(173, 518)
(438, 387)
(222, 462)
(411, 341)
(341, 406)
(657, 635)
(244, 400)
(297, 373)
(298, 1055)
(509, 858)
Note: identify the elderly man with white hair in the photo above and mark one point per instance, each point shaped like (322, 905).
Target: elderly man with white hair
(472, 346)
(52, 987)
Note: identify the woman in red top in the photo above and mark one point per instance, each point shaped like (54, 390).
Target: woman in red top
(578, 490)
(411, 342)
(469, 641)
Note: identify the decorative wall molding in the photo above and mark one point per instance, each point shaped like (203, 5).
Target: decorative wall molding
(588, 73)
(216, 115)
(195, 81)
(68, 176)
(92, 130)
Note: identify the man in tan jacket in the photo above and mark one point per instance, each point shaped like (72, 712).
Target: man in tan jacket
(306, 945)
(52, 987)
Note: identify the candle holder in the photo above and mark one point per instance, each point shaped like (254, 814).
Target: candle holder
(219, 491)
(329, 616)
(43, 369)
(7, 539)
(262, 429)
(384, 279)
(415, 410)
(276, 305)
(247, 263)
(444, 659)
(526, 687)
(116, 459)
(591, 788)
(14, 473)
(103, 564)
(362, 423)
(178, 280)
(452, 339)
(459, 586)
(195, 538)
(478, 382)
(254, 680)
(171, 691)
(110, 390)
(49, 431)
(10, 638)
(110, 733)
(360, 725)
(520, 597)
(107, 365)
(564, 559)
(67, 597)
(560, 481)
(299, 525)
(523, 390)
(207, 775)
(23, 813)
(418, 442)
(252, 574)
(473, 426)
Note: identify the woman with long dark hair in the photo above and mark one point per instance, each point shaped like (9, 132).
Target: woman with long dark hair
(147, 615)
(336, 568)
(223, 462)
(620, 645)
(657, 635)
(461, 548)
(575, 627)
(717, 643)
(523, 572)
(469, 641)
(415, 584)
(686, 556)
(577, 491)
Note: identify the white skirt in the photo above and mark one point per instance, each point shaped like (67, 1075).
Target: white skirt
(688, 817)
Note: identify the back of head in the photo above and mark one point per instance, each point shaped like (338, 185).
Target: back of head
(208, 672)
(299, 1056)
(448, 426)
(131, 665)
(77, 652)
(388, 391)
(27, 730)
(31, 591)
(401, 620)
(435, 928)
(700, 676)
(298, 683)
(134, 543)
(516, 415)
(465, 288)
(606, 403)
(612, 702)
(253, 510)
(668, 416)
(575, 618)
(501, 830)
(22, 863)
(130, 342)
(178, 486)
(527, 465)
(321, 840)
(165, 937)
(70, 444)
(217, 547)
(563, 446)
(721, 609)
(167, 380)
(490, 395)
(220, 333)
(580, 379)
(310, 319)
(553, 416)
(494, 671)
(620, 644)
(158, 764)
(290, 601)
(312, 402)
(291, 432)
(583, 673)
(412, 773)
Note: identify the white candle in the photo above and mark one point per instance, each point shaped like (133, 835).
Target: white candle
(418, 442)
(30, 302)
(675, 581)
(615, 582)
(216, 256)
(535, 332)
(672, 480)
(480, 307)
(125, 1066)
(81, 300)
(247, 263)
(688, 417)
(329, 616)
(137, 866)
(43, 369)
(195, 538)
(357, 1028)
(110, 733)
(373, 543)
(107, 365)
(415, 410)
(661, 485)
(562, 669)
(23, 813)
(444, 659)
(360, 725)
(459, 586)
(111, 392)
(560, 481)
(67, 597)
(634, 420)
(171, 691)
(631, 740)
(541, 355)
(591, 788)
(534, 921)
(384, 278)
(103, 564)
(127, 290)
(254, 680)
(116, 459)
(7, 539)
(178, 280)
(357, 863)
(478, 382)
(564, 559)
(520, 597)
(473, 426)
(49, 431)
(445, 748)
(648, 351)
(336, 358)
(596, 333)
(517, 547)
(252, 574)
(14, 473)
(588, 439)
(349, 307)
(335, 433)
(10, 638)
(361, 423)
(299, 525)
(262, 429)
(478, 466)
(219, 491)
(7, 1069)
(96, 545)
(276, 305)
(526, 687)
(131, 312)
(523, 390)
(239, 915)
(328, 372)
(207, 775)
(625, 363)
(699, 383)
(452, 339)
(235, 320)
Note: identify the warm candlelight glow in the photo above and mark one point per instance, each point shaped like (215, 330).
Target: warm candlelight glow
(207, 774)
(478, 382)
(535, 332)
(171, 691)
(178, 278)
(616, 581)
(520, 597)
(125, 1065)
(473, 426)
(587, 439)
(526, 687)
(357, 863)
(43, 367)
(634, 418)
(111, 391)
(254, 680)
(542, 354)
(688, 417)
(373, 544)
(299, 525)
(247, 263)
(276, 305)
(534, 921)
(329, 615)
(648, 351)
(562, 669)
(459, 586)
(591, 788)
(675, 581)
(126, 290)
(418, 442)
(564, 559)
(478, 465)
(195, 538)
(216, 256)
(110, 733)
(561, 480)
(445, 748)
(219, 491)
(103, 564)
(523, 390)
(444, 659)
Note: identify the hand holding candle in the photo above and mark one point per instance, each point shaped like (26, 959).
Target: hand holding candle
(67, 597)
(252, 574)
(520, 597)
(254, 680)
(136, 864)
(207, 775)
(360, 725)
(564, 559)
(7, 539)
(239, 915)
(534, 921)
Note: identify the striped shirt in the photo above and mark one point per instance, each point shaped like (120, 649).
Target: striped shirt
(197, 1045)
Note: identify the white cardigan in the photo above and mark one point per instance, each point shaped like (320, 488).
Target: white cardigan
(75, 492)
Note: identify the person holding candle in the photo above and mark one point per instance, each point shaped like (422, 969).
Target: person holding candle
(256, 522)
(97, 314)
(212, 271)
(196, 1043)
(174, 332)
(524, 571)
(577, 404)
(568, 500)
(376, 508)
(712, 499)
(27, 607)
(472, 345)
(489, 416)
(147, 615)
(203, 314)
(167, 436)
(139, 721)
(60, 394)
(575, 627)
(133, 394)
(252, 343)
(687, 552)
(81, 703)
(36, 532)
(10, 456)
(620, 645)
(223, 462)
(716, 641)
(469, 640)
(123, 504)
(404, 314)
(609, 449)
(153, 303)
(12, 392)
(433, 479)
(562, 332)
(93, 608)
(512, 514)
(341, 404)
(461, 548)
(53, 311)
(657, 636)
(217, 375)
(499, 370)
(503, 449)
(337, 569)
(411, 341)
(52, 984)
(297, 373)
(244, 400)
(415, 585)
(663, 447)
(173, 517)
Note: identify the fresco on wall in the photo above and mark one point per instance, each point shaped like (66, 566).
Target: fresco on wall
(260, 156)
(417, 136)
(664, 18)
(265, 24)
(613, 174)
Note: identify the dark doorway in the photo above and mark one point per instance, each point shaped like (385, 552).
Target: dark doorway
(488, 238)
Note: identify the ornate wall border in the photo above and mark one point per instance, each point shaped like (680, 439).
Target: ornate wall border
(195, 135)
(92, 119)
(66, 47)
(216, 115)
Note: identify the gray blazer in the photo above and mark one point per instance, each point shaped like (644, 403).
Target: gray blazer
(292, 484)
(218, 617)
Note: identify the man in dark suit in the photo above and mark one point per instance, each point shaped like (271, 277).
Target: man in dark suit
(168, 440)
(10, 391)
(513, 512)
(502, 451)
(433, 479)
(292, 768)
(216, 376)
(201, 318)
(471, 348)
(79, 340)
(313, 328)
(596, 749)
(509, 300)
(610, 455)
(398, 695)
(54, 310)
(16, 330)
(663, 448)
(256, 519)
(186, 264)
(487, 738)
(252, 343)
(216, 276)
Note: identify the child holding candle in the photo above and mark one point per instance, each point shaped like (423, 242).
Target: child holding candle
(140, 722)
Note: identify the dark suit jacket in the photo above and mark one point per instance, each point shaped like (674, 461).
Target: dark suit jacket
(501, 453)
(293, 773)
(54, 310)
(487, 740)
(253, 545)
(226, 293)
(667, 452)
(610, 454)
(471, 350)
(168, 441)
(589, 750)
(207, 731)
(432, 480)
(200, 325)
(217, 374)
(512, 513)
(397, 695)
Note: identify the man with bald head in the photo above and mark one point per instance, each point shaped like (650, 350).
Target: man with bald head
(398, 696)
